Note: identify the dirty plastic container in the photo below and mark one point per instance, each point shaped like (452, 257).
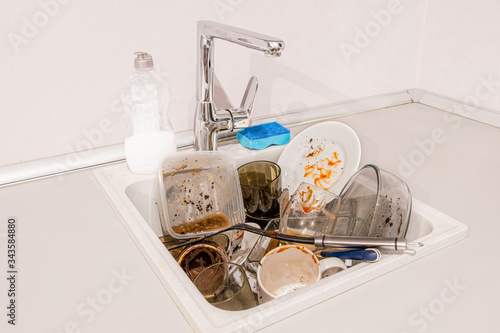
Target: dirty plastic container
(199, 193)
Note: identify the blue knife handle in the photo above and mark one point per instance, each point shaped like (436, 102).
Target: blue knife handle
(371, 255)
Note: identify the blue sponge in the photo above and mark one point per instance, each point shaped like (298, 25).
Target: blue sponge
(262, 136)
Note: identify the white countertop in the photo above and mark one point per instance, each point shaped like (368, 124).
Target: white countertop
(79, 270)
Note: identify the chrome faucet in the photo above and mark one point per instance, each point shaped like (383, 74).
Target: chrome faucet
(209, 121)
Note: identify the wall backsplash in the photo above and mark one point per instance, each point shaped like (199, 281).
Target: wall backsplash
(461, 51)
(65, 63)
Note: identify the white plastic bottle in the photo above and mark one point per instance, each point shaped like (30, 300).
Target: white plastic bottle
(150, 136)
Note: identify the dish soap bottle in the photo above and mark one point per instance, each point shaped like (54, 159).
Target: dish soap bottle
(150, 136)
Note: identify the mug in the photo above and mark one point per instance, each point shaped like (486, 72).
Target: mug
(291, 267)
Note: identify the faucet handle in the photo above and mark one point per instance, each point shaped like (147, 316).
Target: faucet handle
(241, 116)
(249, 96)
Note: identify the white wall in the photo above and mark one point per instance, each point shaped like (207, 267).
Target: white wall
(65, 63)
(461, 51)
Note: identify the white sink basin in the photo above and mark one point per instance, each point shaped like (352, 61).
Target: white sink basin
(134, 200)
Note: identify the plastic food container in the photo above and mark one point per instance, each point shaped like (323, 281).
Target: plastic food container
(199, 193)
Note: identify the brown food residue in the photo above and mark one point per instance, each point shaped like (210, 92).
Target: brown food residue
(315, 153)
(213, 222)
(300, 248)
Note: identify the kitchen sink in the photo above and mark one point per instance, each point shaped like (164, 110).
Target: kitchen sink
(134, 199)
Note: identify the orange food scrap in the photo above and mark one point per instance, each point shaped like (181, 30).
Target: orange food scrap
(308, 170)
(332, 163)
(308, 209)
(309, 201)
(323, 170)
(306, 195)
(325, 173)
(319, 183)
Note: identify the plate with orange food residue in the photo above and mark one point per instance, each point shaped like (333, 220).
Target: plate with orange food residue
(325, 155)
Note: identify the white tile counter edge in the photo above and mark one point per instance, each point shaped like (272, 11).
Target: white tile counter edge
(81, 160)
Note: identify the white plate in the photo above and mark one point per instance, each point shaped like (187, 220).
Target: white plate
(325, 154)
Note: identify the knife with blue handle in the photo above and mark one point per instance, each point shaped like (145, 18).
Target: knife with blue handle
(369, 255)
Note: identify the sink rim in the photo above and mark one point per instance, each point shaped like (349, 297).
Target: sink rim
(113, 181)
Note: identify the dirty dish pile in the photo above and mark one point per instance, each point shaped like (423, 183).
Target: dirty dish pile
(201, 194)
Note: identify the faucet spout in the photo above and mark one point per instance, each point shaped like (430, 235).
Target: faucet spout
(250, 39)
(205, 131)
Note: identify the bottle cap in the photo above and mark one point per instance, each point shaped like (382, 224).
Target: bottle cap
(143, 60)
